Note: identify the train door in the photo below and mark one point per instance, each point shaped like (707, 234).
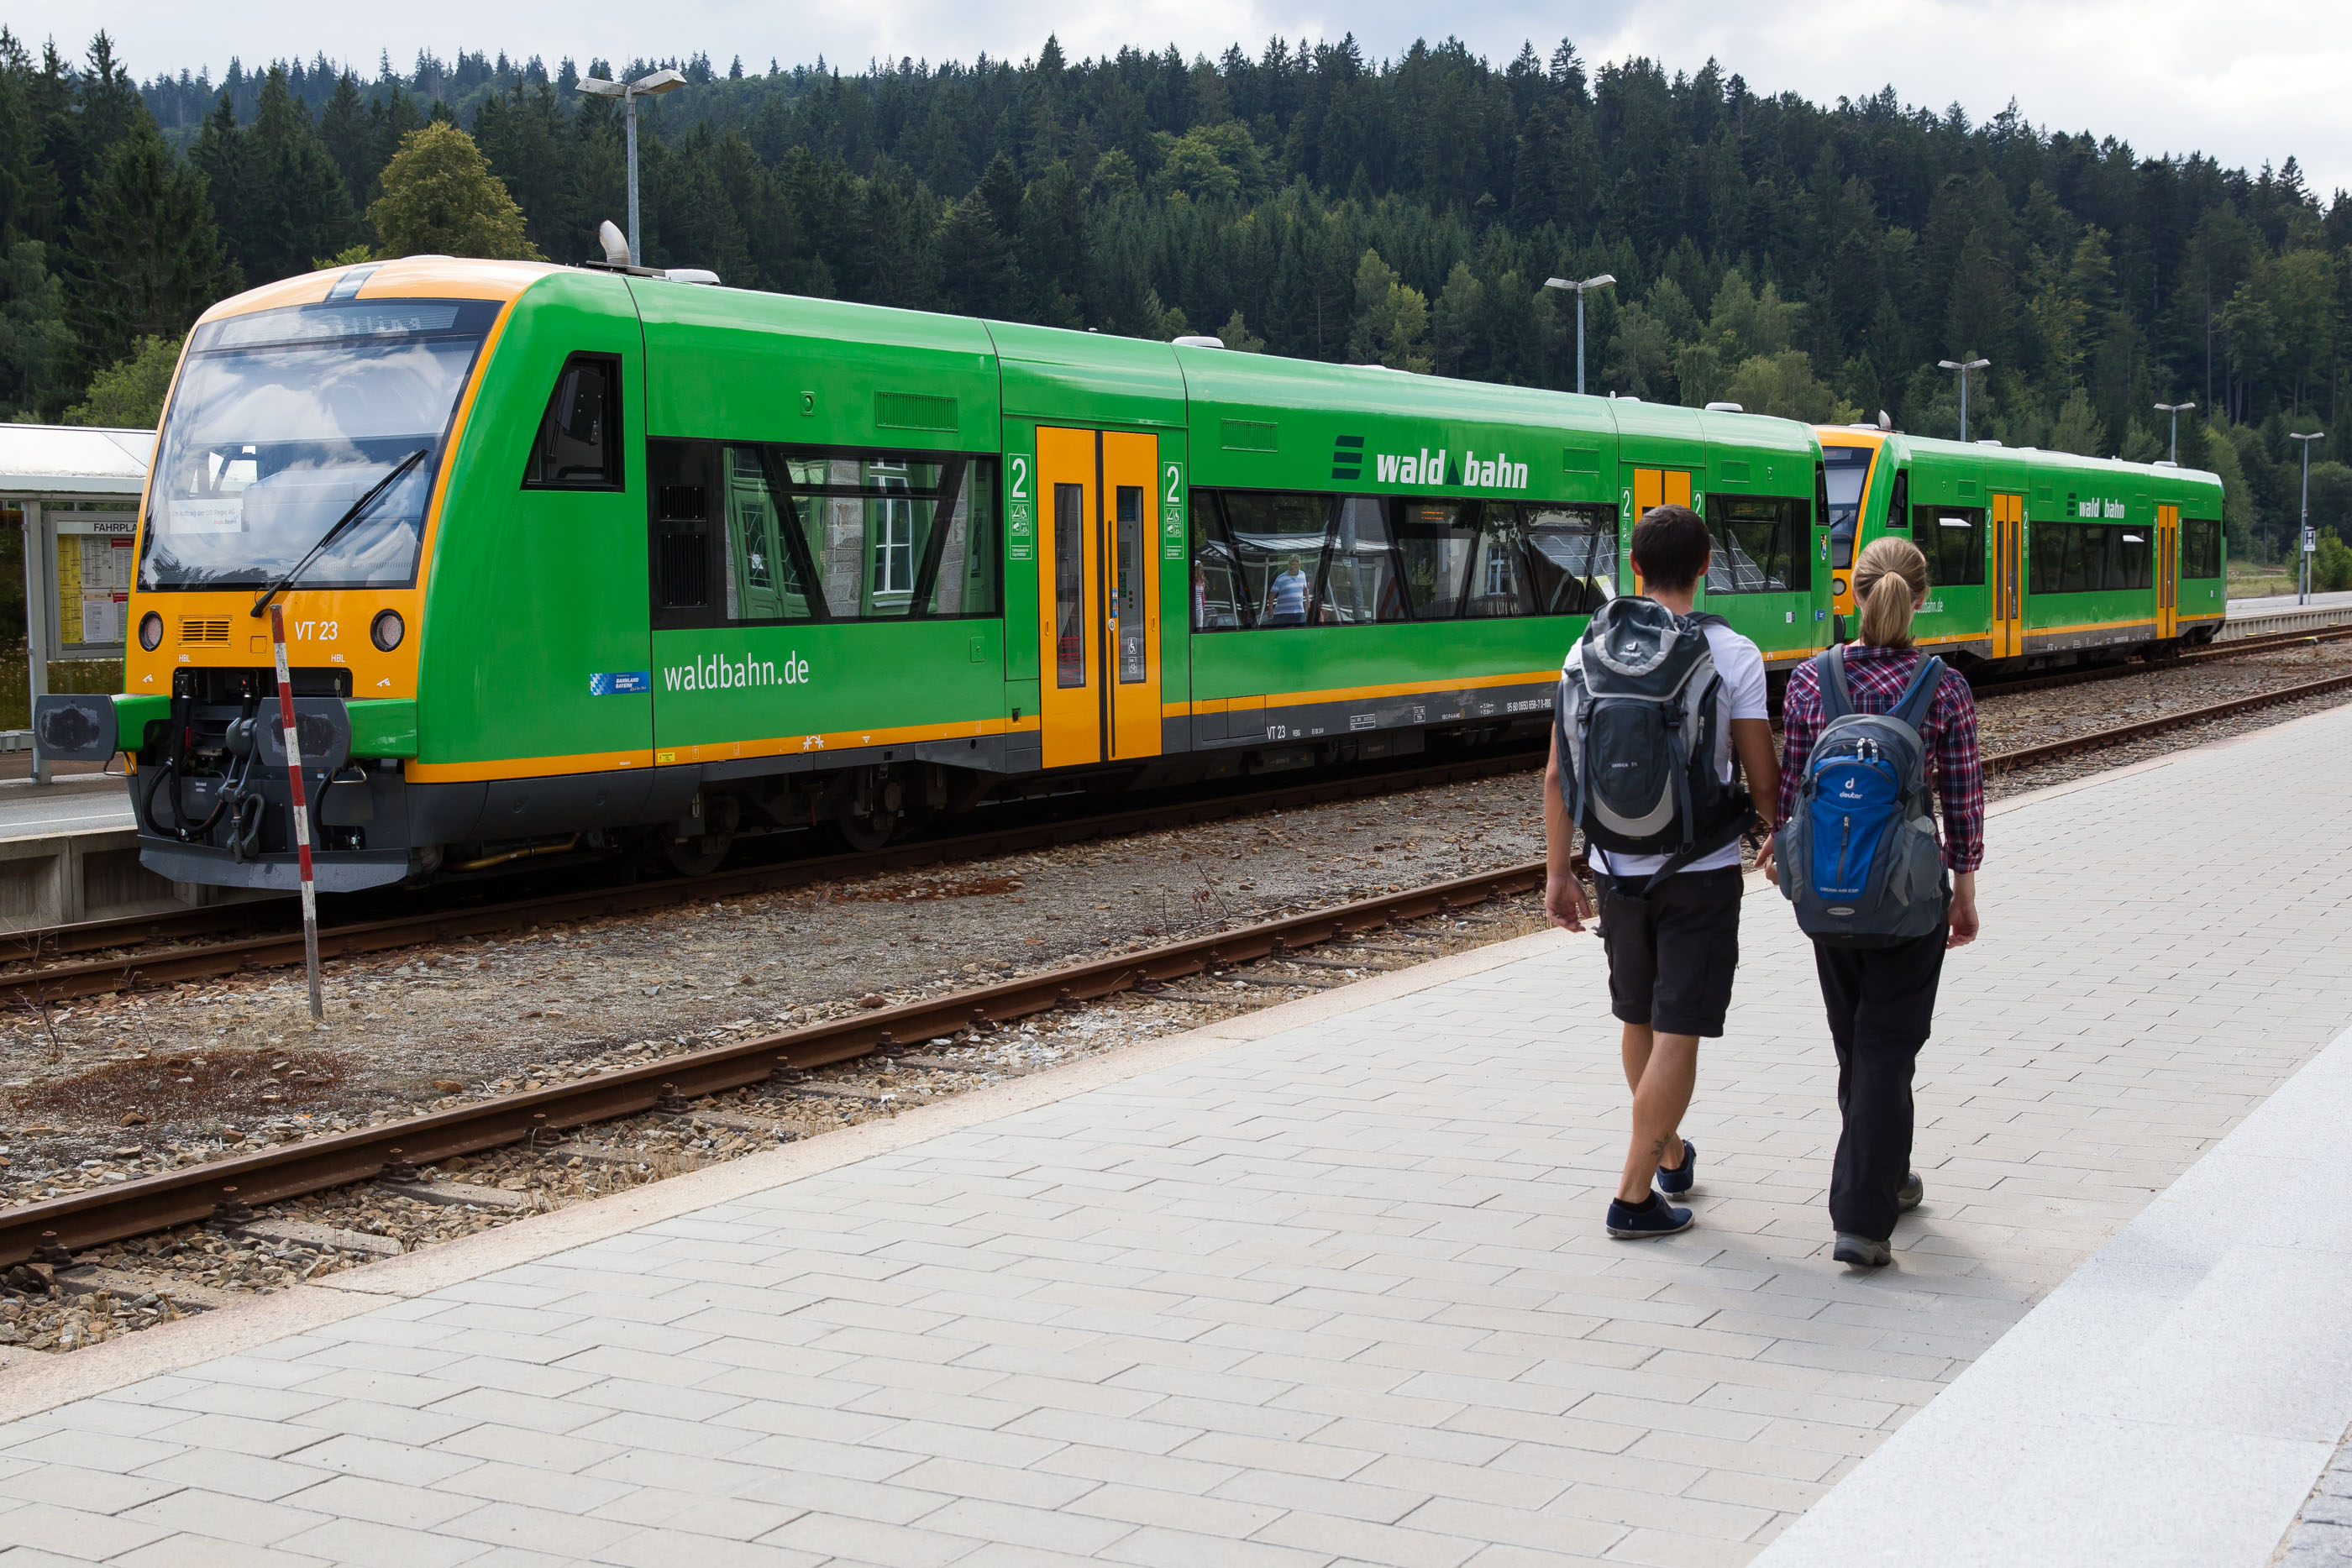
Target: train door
(1098, 600)
(2168, 572)
(1658, 487)
(2008, 628)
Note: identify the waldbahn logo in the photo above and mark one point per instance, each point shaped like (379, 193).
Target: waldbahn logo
(1467, 470)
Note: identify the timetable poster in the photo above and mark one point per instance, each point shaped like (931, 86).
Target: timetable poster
(94, 572)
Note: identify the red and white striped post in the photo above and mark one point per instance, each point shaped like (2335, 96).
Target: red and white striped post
(302, 809)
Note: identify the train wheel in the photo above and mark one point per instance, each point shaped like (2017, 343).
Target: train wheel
(698, 857)
(866, 833)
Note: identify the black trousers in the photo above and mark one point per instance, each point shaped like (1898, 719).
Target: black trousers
(1882, 1004)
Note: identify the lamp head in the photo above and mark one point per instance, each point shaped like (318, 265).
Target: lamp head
(602, 87)
(664, 80)
(1602, 281)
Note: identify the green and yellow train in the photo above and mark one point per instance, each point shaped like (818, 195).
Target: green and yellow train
(574, 560)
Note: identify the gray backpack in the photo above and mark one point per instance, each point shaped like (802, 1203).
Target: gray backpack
(1637, 726)
(1858, 858)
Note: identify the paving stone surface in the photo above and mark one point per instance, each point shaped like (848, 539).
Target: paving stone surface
(2322, 1537)
(1336, 1296)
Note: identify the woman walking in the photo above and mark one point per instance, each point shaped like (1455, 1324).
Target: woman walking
(1882, 999)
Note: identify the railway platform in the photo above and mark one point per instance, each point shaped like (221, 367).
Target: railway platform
(1326, 1284)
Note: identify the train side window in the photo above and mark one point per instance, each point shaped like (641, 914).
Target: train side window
(962, 563)
(1278, 543)
(1898, 507)
(1437, 540)
(1361, 585)
(679, 495)
(2131, 562)
(578, 442)
(1571, 557)
(1500, 583)
(2201, 547)
(1761, 545)
(1953, 541)
(1219, 599)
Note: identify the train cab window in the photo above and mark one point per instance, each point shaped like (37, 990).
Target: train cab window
(2201, 547)
(1847, 470)
(1361, 584)
(1761, 545)
(1898, 506)
(1953, 541)
(1571, 557)
(1438, 540)
(578, 442)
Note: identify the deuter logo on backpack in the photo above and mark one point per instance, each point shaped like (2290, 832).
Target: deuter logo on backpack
(1639, 724)
(1858, 857)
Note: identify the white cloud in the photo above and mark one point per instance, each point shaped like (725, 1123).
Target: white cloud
(2251, 82)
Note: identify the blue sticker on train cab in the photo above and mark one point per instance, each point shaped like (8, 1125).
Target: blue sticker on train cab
(619, 683)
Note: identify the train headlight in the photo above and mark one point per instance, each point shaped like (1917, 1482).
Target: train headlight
(151, 630)
(387, 629)
(1837, 586)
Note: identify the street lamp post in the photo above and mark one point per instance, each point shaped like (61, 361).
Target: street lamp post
(1964, 368)
(2306, 545)
(1603, 281)
(2176, 410)
(629, 92)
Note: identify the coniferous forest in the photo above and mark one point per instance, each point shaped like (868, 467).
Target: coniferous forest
(1801, 260)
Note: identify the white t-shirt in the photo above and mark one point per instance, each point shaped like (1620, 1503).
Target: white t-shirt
(1740, 666)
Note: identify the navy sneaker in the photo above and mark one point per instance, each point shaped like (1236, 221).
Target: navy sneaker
(1652, 1217)
(1676, 1182)
(1907, 1196)
(1862, 1253)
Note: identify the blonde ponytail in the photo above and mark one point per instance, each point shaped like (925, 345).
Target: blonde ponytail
(1889, 581)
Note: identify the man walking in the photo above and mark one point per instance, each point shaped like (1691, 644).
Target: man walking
(1650, 681)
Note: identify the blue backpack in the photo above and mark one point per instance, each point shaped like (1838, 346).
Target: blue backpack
(1858, 857)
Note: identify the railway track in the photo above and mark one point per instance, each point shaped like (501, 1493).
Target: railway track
(152, 961)
(2135, 667)
(225, 1190)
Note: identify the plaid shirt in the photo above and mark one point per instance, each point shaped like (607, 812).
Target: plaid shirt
(1875, 677)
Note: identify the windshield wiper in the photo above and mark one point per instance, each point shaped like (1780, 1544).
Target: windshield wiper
(358, 507)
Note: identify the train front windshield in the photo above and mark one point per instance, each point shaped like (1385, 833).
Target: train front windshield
(1849, 470)
(284, 419)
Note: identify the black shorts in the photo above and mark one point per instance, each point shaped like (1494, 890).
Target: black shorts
(1672, 953)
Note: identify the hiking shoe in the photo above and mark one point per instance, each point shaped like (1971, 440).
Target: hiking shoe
(1676, 1182)
(1652, 1217)
(1907, 1196)
(1860, 1251)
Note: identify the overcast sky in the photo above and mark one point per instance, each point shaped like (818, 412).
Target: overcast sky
(2246, 81)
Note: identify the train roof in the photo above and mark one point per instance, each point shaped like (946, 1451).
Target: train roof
(2098, 471)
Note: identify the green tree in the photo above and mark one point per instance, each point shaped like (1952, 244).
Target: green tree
(1455, 324)
(1236, 335)
(129, 395)
(1392, 319)
(35, 344)
(148, 260)
(2079, 429)
(296, 204)
(1784, 385)
(441, 199)
(1641, 359)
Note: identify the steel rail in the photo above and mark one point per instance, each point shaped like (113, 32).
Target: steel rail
(61, 982)
(147, 1204)
(2118, 735)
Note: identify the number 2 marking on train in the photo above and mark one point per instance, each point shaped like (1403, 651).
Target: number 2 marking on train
(1175, 478)
(1020, 478)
